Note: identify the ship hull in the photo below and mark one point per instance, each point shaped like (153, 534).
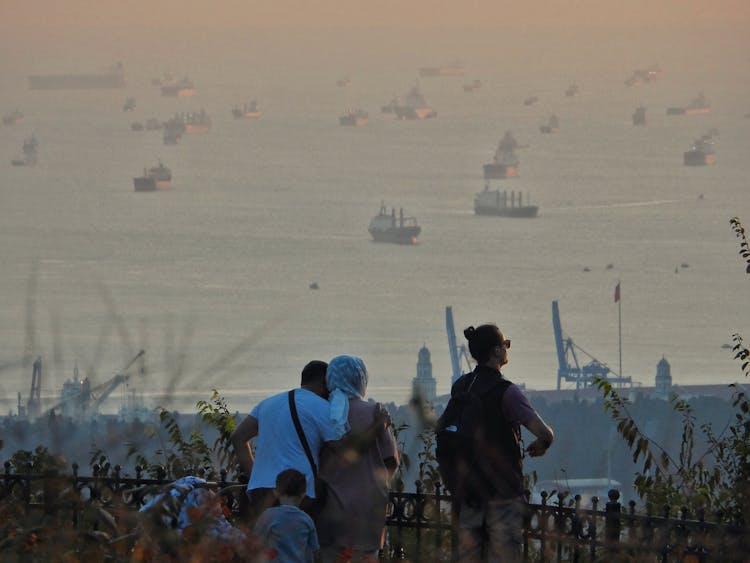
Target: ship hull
(496, 171)
(146, 184)
(191, 129)
(548, 129)
(396, 235)
(239, 114)
(525, 212)
(352, 121)
(698, 158)
(176, 92)
(76, 82)
(442, 71)
(697, 111)
(405, 112)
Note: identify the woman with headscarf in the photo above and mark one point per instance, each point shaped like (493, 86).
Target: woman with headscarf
(357, 469)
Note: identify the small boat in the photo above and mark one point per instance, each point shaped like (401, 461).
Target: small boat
(552, 125)
(354, 118)
(496, 202)
(13, 118)
(639, 116)
(505, 162)
(181, 88)
(697, 105)
(530, 101)
(414, 107)
(571, 91)
(129, 104)
(701, 153)
(387, 227)
(471, 86)
(247, 111)
(29, 150)
(343, 82)
(154, 178)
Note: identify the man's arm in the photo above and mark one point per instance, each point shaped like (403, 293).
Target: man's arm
(543, 433)
(240, 439)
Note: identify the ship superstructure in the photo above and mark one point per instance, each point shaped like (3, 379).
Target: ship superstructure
(505, 163)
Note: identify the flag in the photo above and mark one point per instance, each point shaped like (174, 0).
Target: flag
(617, 292)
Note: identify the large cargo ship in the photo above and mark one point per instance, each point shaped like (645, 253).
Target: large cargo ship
(247, 111)
(496, 202)
(111, 78)
(179, 89)
(414, 106)
(505, 163)
(387, 227)
(453, 69)
(701, 153)
(354, 118)
(697, 105)
(154, 178)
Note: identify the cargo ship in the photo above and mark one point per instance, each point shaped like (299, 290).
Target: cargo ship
(247, 111)
(179, 89)
(505, 163)
(454, 69)
(112, 77)
(701, 153)
(354, 118)
(552, 125)
(154, 178)
(414, 107)
(29, 150)
(387, 227)
(697, 105)
(496, 202)
(639, 116)
(188, 123)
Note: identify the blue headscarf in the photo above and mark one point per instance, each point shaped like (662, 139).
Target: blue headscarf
(346, 378)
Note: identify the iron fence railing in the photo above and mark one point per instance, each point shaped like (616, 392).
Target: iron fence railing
(421, 526)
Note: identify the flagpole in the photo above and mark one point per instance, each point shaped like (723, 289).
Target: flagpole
(619, 325)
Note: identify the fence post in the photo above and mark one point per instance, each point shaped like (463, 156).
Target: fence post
(592, 527)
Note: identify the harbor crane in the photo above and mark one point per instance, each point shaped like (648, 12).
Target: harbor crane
(459, 355)
(570, 370)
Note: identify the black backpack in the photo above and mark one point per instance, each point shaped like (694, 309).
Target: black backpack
(458, 437)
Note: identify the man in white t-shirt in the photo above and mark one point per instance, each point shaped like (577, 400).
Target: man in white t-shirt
(278, 445)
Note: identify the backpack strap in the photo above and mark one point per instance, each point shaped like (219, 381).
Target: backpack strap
(301, 433)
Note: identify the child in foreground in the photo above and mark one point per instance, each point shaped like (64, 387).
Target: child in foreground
(287, 532)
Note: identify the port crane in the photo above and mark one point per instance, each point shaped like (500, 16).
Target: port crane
(458, 352)
(570, 370)
(83, 399)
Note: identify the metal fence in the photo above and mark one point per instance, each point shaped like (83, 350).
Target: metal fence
(421, 527)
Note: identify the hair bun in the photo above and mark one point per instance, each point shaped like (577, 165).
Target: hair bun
(469, 333)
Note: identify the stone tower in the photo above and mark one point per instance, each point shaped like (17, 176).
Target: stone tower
(424, 384)
(663, 382)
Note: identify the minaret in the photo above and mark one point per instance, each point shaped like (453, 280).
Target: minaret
(663, 382)
(424, 384)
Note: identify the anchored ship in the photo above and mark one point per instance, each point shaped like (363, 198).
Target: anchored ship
(473, 85)
(113, 77)
(247, 111)
(354, 118)
(552, 125)
(642, 75)
(129, 104)
(387, 227)
(343, 82)
(29, 149)
(699, 104)
(13, 117)
(390, 106)
(639, 116)
(571, 91)
(701, 153)
(530, 101)
(496, 202)
(414, 107)
(505, 162)
(453, 69)
(181, 88)
(154, 178)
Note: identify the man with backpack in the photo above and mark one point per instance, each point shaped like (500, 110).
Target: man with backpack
(480, 452)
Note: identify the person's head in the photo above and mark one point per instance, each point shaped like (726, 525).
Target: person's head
(314, 377)
(291, 486)
(347, 374)
(487, 345)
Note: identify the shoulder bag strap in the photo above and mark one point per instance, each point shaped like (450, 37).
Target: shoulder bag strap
(301, 433)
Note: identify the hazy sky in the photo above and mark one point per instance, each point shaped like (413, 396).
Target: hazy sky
(364, 13)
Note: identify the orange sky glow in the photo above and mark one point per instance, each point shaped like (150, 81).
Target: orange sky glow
(367, 13)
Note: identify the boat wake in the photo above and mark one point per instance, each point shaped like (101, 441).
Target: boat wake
(619, 205)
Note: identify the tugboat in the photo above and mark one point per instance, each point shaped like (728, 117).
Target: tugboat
(414, 107)
(154, 178)
(697, 105)
(505, 162)
(701, 153)
(247, 111)
(386, 227)
(13, 118)
(496, 202)
(181, 88)
(354, 118)
(639, 116)
(552, 125)
(29, 149)
(129, 104)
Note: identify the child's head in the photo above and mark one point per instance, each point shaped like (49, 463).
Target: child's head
(292, 485)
